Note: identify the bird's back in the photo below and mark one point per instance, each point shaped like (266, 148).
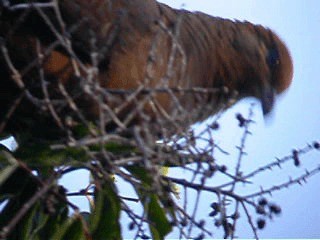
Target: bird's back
(135, 62)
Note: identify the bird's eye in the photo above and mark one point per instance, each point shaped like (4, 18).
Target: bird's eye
(273, 58)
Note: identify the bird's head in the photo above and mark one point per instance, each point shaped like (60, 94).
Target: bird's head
(264, 65)
(277, 61)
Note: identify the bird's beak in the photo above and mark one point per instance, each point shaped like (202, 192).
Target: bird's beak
(267, 99)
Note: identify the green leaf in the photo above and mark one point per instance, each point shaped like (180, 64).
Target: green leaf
(71, 229)
(156, 214)
(50, 223)
(141, 174)
(6, 173)
(6, 157)
(17, 187)
(159, 224)
(28, 221)
(117, 148)
(104, 221)
(41, 155)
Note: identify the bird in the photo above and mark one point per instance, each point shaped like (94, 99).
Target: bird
(131, 63)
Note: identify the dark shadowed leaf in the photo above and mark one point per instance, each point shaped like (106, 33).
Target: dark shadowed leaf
(104, 221)
(156, 214)
(71, 229)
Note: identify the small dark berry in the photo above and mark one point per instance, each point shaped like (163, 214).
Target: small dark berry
(215, 206)
(214, 126)
(235, 216)
(295, 155)
(223, 168)
(184, 222)
(200, 237)
(201, 223)
(261, 223)
(144, 236)
(316, 145)
(263, 202)
(275, 209)
(260, 210)
(296, 162)
(131, 226)
(212, 168)
(213, 213)
(241, 119)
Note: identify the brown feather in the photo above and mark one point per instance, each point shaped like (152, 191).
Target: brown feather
(145, 43)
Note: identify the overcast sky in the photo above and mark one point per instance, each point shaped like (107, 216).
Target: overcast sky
(296, 119)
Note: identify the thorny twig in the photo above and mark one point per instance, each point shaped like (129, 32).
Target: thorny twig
(183, 150)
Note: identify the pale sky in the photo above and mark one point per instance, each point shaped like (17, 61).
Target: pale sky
(296, 119)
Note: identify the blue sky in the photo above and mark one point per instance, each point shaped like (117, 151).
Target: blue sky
(296, 119)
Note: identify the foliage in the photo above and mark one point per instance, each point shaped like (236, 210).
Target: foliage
(34, 204)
